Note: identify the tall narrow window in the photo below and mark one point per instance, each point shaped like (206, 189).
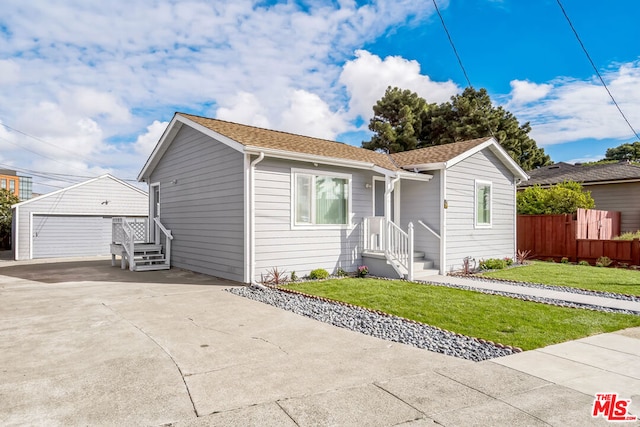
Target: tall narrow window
(483, 204)
(321, 199)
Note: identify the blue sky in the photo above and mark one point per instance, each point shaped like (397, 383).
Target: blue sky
(96, 85)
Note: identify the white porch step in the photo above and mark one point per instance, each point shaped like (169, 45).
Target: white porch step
(152, 267)
(425, 274)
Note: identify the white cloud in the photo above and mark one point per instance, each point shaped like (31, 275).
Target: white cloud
(368, 76)
(573, 109)
(309, 115)
(245, 108)
(523, 91)
(146, 142)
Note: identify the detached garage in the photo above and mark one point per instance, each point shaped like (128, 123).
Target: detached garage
(75, 221)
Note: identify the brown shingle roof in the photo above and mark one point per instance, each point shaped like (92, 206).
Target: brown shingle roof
(437, 153)
(561, 172)
(265, 138)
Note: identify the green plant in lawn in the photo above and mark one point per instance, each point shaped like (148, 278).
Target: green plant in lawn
(585, 263)
(341, 272)
(509, 321)
(493, 264)
(564, 260)
(293, 276)
(603, 261)
(318, 273)
(508, 260)
(363, 270)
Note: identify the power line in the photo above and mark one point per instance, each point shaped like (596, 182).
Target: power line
(584, 49)
(453, 46)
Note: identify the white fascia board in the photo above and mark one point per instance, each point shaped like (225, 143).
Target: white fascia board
(415, 176)
(310, 158)
(80, 184)
(161, 147)
(497, 149)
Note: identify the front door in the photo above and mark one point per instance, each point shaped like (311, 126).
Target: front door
(378, 199)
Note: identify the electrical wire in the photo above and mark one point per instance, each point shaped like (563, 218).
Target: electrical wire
(584, 49)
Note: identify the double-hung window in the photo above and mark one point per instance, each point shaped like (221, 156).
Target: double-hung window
(320, 198)
(483, 204)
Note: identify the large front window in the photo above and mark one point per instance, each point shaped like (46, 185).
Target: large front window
(483, 204)
(321, 199)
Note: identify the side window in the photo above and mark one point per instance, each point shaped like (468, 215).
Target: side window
(483, 204)
(320, 199)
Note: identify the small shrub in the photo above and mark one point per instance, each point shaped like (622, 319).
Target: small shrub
(466, 265)
(508, 260)
(363, 270)
(603, 261)
(493, 264)
(318, 273)
(551, 260)
(564, 260)
(341, 272)
(628, 236)
(294, 276)
(275, 277)
(585, 263)
(523, 255)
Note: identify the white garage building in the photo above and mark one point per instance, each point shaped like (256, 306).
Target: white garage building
(74, 221)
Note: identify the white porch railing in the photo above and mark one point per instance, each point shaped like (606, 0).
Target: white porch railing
(139, 227)
(384, 236)
(166, 236)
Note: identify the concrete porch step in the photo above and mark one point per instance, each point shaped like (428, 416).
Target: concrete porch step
(425, 274)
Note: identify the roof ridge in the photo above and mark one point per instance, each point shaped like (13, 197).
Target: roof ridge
(266, 129)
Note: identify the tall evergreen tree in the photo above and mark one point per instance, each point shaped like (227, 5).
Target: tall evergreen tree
(626, 151)
(404, 121)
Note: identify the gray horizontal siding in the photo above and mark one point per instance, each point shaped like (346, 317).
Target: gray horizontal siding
(278, 245)
(624, 198)
(463, 239)
(421, 201)
(204, 209)
(85, 199)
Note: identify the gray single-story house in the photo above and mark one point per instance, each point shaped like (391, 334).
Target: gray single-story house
(241, 200)
(613, 186)
(74, 221)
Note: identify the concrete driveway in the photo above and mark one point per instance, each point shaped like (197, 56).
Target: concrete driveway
(82, 343)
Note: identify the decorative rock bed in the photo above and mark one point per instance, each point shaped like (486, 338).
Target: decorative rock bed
(378, 324)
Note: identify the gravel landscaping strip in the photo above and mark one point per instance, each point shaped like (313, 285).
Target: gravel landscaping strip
(379, 324)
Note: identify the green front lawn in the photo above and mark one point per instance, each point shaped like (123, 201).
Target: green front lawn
(575, 276)
(500, 319)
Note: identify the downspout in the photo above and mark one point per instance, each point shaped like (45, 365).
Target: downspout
(443, 221)
(516, 181)
(252, 214)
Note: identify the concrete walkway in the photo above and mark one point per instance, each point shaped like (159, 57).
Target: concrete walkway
(82, 343)
(537, 292)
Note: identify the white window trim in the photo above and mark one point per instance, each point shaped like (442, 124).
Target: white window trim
(315, 172)
(476, 183)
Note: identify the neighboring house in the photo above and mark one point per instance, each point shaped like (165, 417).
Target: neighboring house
(74, 221)
(240, 200)
(613, 186)
(17, 184)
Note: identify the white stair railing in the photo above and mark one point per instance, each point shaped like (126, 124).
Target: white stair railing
(128, 243)
(397, 245)
(168, 237)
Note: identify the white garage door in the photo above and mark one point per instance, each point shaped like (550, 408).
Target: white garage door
(62, 236)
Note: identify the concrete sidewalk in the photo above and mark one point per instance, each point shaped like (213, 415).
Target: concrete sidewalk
(537, 292)
(82, 343)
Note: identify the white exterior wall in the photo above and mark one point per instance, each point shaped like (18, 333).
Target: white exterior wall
(80, 200)
(421, 201)
(202, 203)
(463, 238)
(280, 245)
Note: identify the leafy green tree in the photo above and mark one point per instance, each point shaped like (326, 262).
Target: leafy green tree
(626, 151)
(404, 121)
(562, 198)
(398, 121)
(7, 199)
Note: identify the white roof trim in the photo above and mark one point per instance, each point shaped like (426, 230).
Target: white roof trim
(414, 176)
(310, 158)
(497, 149)
(63, 190)
(170, 133)
(425, 166)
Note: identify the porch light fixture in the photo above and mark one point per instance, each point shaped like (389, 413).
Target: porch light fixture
(367, 185)
(175, 181)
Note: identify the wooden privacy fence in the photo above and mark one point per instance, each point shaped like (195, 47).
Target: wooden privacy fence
(583, 236)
